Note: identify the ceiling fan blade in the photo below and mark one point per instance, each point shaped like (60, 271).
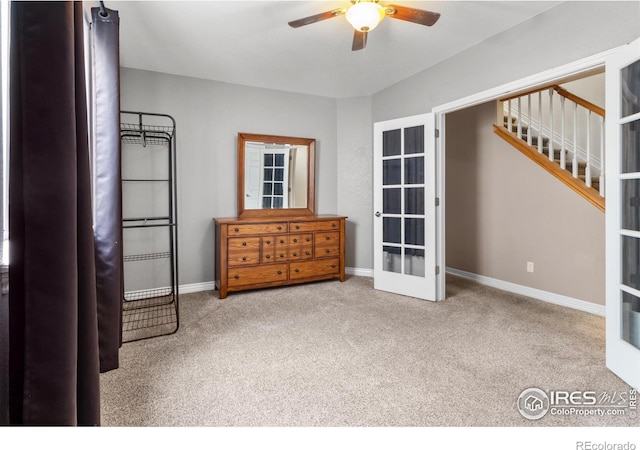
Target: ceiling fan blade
(419, 16)
(359, 40)
(317, 17)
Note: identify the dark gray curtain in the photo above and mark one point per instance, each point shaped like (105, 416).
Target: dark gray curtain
(54, 356)
(105, 62)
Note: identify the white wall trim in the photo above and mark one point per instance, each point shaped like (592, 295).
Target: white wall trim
(538, 294)
(358, 272)
(196, 287)
(210, 285)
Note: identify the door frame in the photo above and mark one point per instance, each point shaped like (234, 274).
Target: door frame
(577, 69)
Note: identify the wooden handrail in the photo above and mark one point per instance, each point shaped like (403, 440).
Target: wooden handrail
(563, 92)
(580, 101)
(576, 184)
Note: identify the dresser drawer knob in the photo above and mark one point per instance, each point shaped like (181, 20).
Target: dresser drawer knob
(333, 266)
(279, 228)
(268, 242)
(308, 239)
(295, 254)
(237, 277)
(268, 256)
(279, 272)
(244, 258)
(327, 251)
(281, 241)
(297, 270)
(308, 253)
(281, 255)
(236, 229)
(297, 227)
(333, 225)
(244, 244)
(295, 240)
(327, 238)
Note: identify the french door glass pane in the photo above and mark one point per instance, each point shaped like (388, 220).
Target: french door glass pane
(391, 143)
(414, 170)
(630, 205)
(279, 175)
(267, 189)
(268, 159)
(414, 262)
(630, 92)
(414, 231)
(266, 202)
(414, 200)
(630, 261)
(630, 142)
(391, 231)
(391, 172)
(391, 261)
(268, 174)
(414, 140)
(277, 189)
(277, 202)
(279, 160)
(631, 319)
(391, 203)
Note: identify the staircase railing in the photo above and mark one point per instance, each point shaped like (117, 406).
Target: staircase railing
(563, 126)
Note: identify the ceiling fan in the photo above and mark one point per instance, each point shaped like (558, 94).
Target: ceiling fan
(365, 15)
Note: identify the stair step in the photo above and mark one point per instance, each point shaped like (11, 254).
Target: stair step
(595, 181)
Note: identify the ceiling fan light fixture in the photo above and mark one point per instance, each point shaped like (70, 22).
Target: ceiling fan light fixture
(365, 16)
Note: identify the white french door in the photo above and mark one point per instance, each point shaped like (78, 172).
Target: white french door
(623, 213)
(404, 202)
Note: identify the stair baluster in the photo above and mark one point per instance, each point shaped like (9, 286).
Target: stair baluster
(578, 172)
(587, 172)
(540, 137)
(530, 130)
(601, 184)
(563, 156)
(550, 145)
(575, 140)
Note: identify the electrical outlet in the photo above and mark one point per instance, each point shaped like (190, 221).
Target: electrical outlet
(529, 266)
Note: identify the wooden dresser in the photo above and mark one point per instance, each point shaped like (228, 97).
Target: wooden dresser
(259, 253)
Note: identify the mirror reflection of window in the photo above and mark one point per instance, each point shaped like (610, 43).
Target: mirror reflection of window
(275, 175)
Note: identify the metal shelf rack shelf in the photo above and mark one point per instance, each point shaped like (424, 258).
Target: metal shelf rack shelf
(150, 303)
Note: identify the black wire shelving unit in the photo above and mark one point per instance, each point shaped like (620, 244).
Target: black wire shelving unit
(150, 303)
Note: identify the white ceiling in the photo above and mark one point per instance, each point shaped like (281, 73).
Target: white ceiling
(250, 43)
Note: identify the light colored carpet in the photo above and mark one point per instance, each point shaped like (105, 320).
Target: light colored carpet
(344, 354)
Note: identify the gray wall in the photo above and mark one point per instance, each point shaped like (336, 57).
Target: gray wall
(566, 33)
(355, 184)
(209, 115)
(504, 210)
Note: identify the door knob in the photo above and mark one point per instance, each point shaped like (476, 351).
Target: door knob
(378, 214)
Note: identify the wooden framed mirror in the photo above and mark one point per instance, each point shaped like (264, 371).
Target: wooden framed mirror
(276, 176)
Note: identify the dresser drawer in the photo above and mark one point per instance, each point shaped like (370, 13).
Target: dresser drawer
(243, 244)
(324, 225)
(308, 269)
(300, 246)
(243, 251)
(256, 228)
(327, 244)
(256, 275)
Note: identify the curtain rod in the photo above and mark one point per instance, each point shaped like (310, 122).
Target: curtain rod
(103, 10)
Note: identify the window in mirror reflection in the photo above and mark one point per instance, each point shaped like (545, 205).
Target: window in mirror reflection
(275, 176)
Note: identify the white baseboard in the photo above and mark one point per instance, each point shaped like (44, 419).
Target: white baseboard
(355, 271)
(210, 285)
(538, 294)
(196, 287)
